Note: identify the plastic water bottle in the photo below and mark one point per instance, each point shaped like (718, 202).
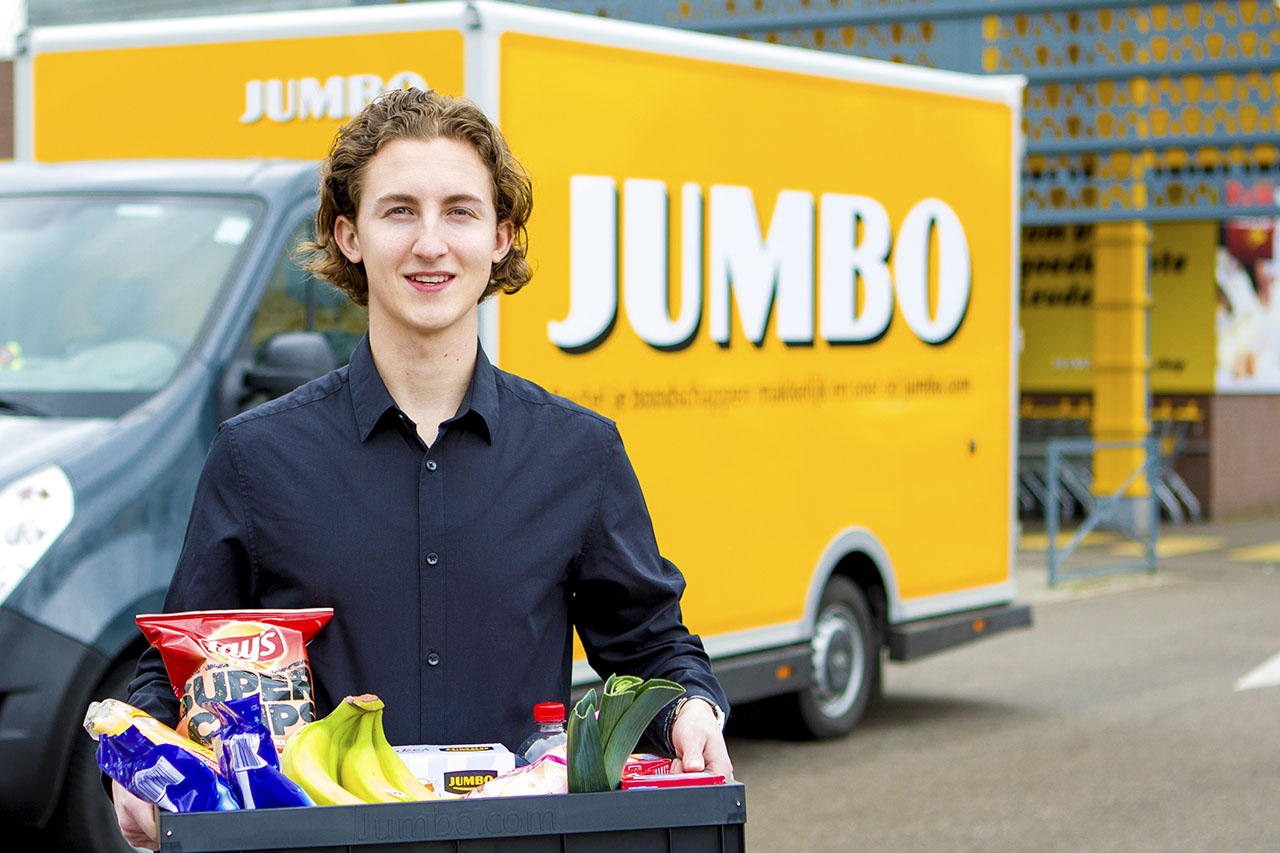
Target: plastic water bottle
(550, 719)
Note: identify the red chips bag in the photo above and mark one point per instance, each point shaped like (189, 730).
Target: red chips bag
(216, 655)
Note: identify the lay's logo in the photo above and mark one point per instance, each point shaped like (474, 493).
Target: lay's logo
(465, 781)
(263, 646)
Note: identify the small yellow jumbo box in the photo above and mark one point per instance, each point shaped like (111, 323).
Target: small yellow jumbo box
(457, 769)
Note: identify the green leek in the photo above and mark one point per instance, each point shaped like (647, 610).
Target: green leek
(599, 748)
(650, 698)
(586, 758)
(618, 694)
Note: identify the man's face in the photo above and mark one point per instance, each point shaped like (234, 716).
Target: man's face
(427, 233)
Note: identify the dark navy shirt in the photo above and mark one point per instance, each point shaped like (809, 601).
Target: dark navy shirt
(456, 573)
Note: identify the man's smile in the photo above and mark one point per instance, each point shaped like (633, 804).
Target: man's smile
(429, 281)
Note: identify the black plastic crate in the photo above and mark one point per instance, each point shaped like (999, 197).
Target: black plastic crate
(708, 819)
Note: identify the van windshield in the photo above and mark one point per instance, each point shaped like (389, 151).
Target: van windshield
(106, 295)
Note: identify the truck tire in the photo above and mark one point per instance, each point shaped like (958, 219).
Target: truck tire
(85, 819)
(846, 663)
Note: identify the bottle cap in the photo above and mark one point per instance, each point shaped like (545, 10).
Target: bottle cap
(548, 712)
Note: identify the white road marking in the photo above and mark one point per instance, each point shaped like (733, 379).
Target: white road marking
(1266, 674)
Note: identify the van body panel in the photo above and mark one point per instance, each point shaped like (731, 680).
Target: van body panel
(45, 681)
(26, 443)
(133, 497)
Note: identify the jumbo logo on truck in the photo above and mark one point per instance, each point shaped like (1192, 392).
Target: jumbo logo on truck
(309, 98)
(759, 273)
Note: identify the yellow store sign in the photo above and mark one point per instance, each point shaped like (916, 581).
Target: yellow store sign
(1057, 286)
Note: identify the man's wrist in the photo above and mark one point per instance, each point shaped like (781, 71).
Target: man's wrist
(676, 708)
(715, 709)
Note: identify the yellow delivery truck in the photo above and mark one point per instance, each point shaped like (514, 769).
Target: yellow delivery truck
(789, 277)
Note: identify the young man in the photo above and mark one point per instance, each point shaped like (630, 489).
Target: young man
(461, 521)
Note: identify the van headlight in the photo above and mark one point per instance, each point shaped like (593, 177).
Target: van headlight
(34, 511)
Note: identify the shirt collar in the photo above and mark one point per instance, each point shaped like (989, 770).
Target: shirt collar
(483, 394)
(371, 400)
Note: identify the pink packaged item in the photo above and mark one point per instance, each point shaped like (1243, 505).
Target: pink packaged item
(548, 775)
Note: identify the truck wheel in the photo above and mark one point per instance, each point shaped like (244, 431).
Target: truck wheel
(86, 820)
(846, 662)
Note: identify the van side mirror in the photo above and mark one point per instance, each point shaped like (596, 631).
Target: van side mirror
(288, 360)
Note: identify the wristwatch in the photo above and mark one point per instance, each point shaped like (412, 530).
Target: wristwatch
(675, 712)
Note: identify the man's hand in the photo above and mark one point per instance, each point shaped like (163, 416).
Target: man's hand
(698, 741)
(139, 822)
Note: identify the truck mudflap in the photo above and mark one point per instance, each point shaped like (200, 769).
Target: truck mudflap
(44, 677)
(911, 640)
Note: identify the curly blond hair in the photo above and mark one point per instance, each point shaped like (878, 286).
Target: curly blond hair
(415, 114)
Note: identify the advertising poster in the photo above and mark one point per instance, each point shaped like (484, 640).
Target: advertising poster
(1057, 298)
(1248, 310)
(1056, 310)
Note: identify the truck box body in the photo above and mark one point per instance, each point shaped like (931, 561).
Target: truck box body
(788, 276)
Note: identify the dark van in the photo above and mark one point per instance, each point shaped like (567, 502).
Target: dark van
(141, 303)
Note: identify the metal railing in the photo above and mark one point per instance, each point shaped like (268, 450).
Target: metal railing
(1173, 424)
(1101, 509)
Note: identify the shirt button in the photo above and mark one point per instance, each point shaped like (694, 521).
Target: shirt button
(433, 659)
(431, 465)
(433, 558)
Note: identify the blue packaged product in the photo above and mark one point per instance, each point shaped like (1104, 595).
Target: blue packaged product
(247, 757)
(154, 762)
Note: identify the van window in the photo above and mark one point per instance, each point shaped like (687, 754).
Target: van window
(106, 295)
(295, 302)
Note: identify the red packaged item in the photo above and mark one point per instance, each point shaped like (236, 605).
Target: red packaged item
(219, 655)
(672, 780)
(646, 764)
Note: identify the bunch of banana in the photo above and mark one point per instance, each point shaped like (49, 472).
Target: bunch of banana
(345, 759)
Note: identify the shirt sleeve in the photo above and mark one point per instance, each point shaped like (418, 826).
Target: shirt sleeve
(213, 571)
(626, 596)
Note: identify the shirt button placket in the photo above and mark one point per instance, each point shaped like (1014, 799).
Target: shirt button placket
(433, 590)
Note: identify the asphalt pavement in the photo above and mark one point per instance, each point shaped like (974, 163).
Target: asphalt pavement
(1138, 713)
(1108, 562)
